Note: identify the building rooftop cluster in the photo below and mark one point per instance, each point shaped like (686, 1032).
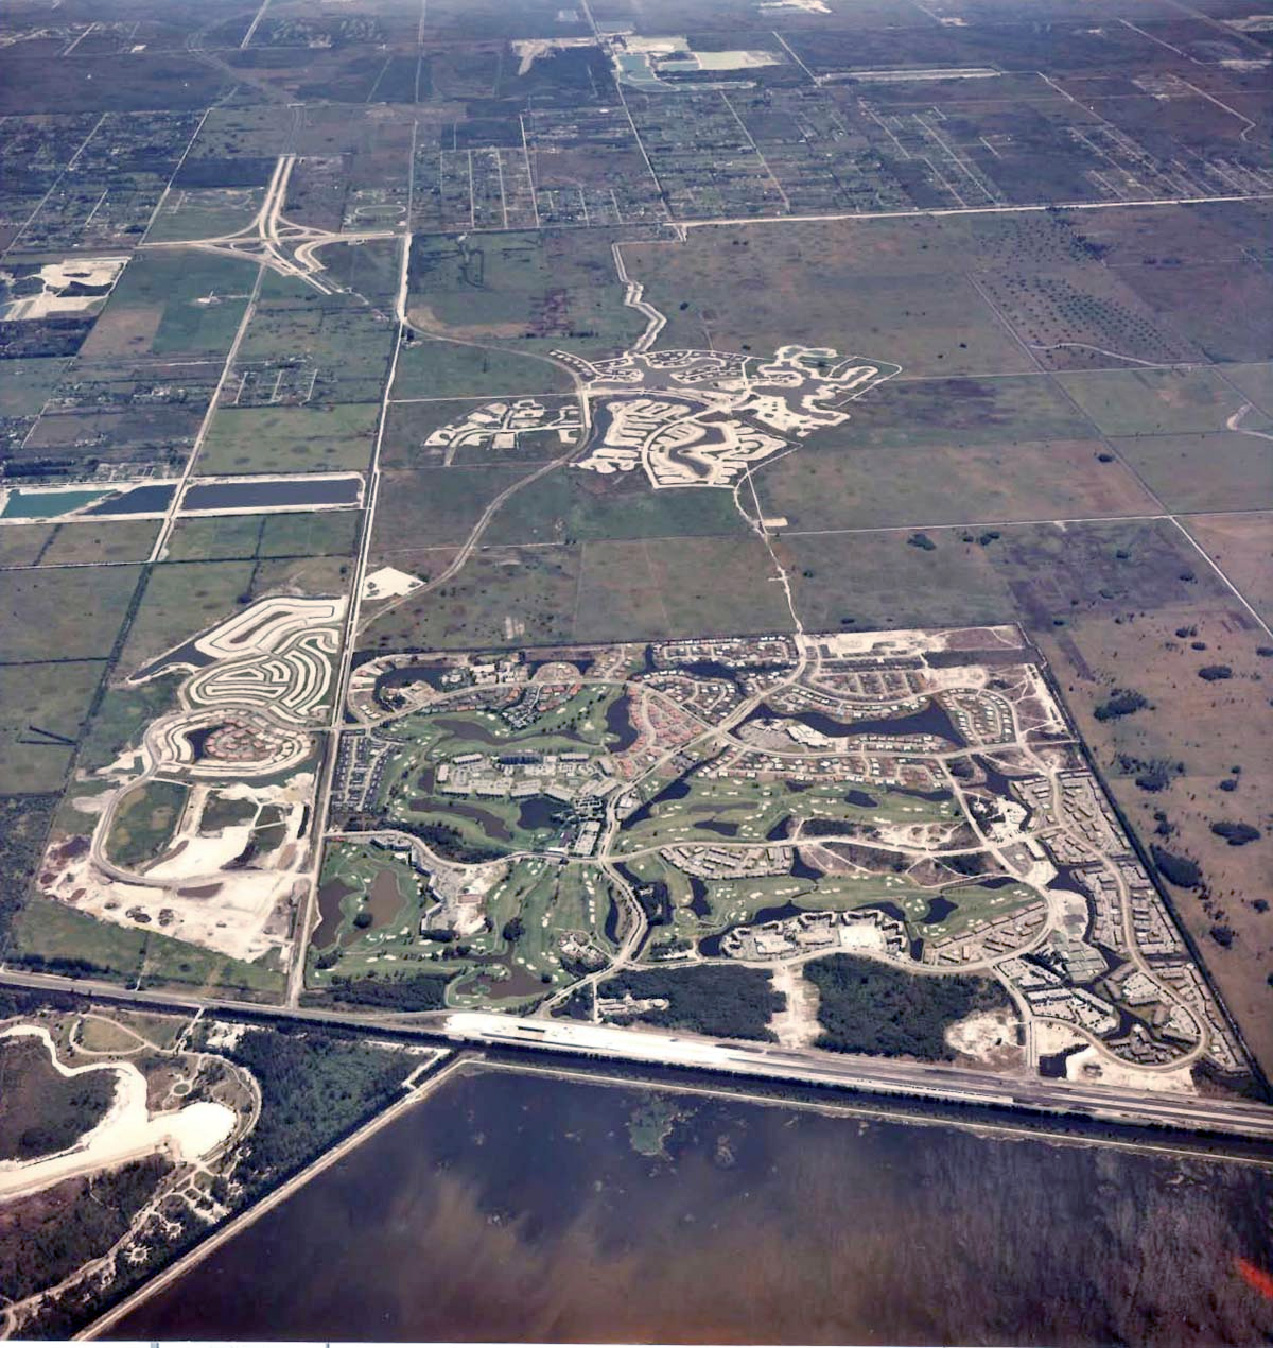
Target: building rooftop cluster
(1152, 930)
(1186, 982)
(868, 769)
(708, 699)
(983, 939)
(1080, 962)
(730, 863)
(810, 932)
(499, 426)
(980, 716)
(515, 776)
(1049, 996)
(801, 697)
(537, 700)
(732, 652)
(359, 770)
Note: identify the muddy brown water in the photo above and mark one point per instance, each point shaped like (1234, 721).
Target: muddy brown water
(515, 1208)
(330, 893)
(384, 899)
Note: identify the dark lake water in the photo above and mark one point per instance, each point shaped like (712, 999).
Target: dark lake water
(143, 500)
(519, 1208)
(266, 491)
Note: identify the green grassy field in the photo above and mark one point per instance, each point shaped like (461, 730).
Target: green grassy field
(741, 810)
(64, 615)
(180, 600)
(42, 712)
(916, 486)
(144, 823)
(348, 340)
(538, 289)
(572, 504)
(439, 506)
(648, 589)
(1037, 574)
(120, 718)
(77, 542)
(174, 304)
(373, 904)
(288, 439)
(504, 597)
(429, 368)
(223, 537)
(204, 213)
(56, 936)
(944, 413)
(1223, 470)
(1158, 402)
(25, 385)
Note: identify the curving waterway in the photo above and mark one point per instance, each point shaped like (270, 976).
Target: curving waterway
(514, 1207)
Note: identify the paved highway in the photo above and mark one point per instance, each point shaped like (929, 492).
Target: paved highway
(935, 1081)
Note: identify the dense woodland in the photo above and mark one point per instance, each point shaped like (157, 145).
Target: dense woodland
(41, 1111)
(46, 1237)
(314, 1089)
(866, 1007)
(736, 1003)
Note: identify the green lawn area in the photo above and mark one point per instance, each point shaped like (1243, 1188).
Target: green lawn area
(53, 935)
(144, 823)
(308, 534)
(42, 712)
(736, 809)
(288, 439)
(372, 903)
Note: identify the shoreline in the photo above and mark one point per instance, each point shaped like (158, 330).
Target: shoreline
(414, 1095)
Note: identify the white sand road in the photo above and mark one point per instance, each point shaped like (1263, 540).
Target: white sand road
(128, 1132)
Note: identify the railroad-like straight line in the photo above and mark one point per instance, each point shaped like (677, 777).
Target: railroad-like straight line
(919, 527)
(343, 663)
(852, 1073)
(832, 216)
(1216, 567)
(1007, 524)
(252, 27)
(163, 196)
(170, 517)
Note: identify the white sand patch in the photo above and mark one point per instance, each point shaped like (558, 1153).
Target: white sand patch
(58, 277)
(734, 60)
(796, 1025)
(655, 46)
(1051, 1037)
(202, 857)
(983, 1034)
(531, 49)
(225, 1034)
(1093, 1066)
(127, 1133)
(389, 583)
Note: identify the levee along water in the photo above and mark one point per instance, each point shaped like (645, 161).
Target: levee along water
(521, 1207)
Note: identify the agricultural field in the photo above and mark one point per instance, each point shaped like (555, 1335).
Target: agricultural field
(288, 439)
(734, 517)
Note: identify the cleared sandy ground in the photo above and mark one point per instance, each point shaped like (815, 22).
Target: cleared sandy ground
(127, 1133)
